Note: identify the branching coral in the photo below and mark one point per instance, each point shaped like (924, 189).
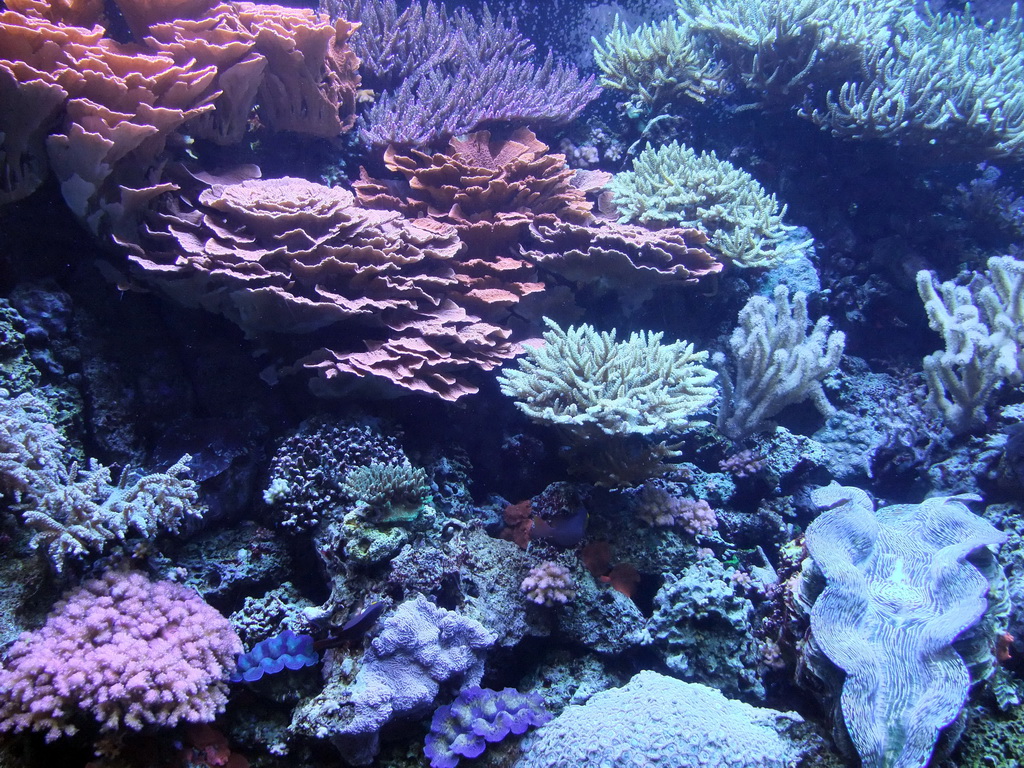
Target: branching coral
(674, 186)
(549, 584)
(445, 74)
(77, 512)
(396, 491)
(590, 384)
(944, 79)
(777, 49)
(776, 363)
(657, 63)
(982, 325)
(122, 650)
(600, 391)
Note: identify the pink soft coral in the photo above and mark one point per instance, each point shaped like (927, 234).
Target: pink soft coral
(124, 651)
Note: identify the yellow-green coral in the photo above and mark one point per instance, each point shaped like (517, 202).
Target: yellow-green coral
(943, 77)
(396, 492)
(773, 46)
(674, 186)
(591, 384)
(656, 63)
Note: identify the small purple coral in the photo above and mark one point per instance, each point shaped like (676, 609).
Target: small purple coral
(479, 716)
(549, 584)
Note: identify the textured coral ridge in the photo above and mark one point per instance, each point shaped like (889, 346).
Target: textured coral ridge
(900, 590)
(115, 104)
(124, 651)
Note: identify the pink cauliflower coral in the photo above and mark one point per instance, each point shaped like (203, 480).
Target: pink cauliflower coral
(549, 584)
(123, 650)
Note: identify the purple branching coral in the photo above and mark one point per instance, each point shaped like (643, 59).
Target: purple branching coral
(549, 584)
(479, 716)
(444, 74)
(123, 651)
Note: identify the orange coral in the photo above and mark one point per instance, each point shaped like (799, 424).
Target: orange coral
(490, 188)
(193, 62)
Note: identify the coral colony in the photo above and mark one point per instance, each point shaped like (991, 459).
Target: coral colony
(529, 384)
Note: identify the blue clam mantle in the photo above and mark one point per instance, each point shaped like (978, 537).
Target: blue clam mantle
(899, 592)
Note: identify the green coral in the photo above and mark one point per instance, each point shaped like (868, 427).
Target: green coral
(882, 70)
(588, 383)
(612, 398)
(942, 78)
(992, 740)
(778, 48)
(656, 63)
(17, 372)
(674, 186)
(395, 492)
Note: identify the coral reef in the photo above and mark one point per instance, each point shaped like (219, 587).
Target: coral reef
(437, 357)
